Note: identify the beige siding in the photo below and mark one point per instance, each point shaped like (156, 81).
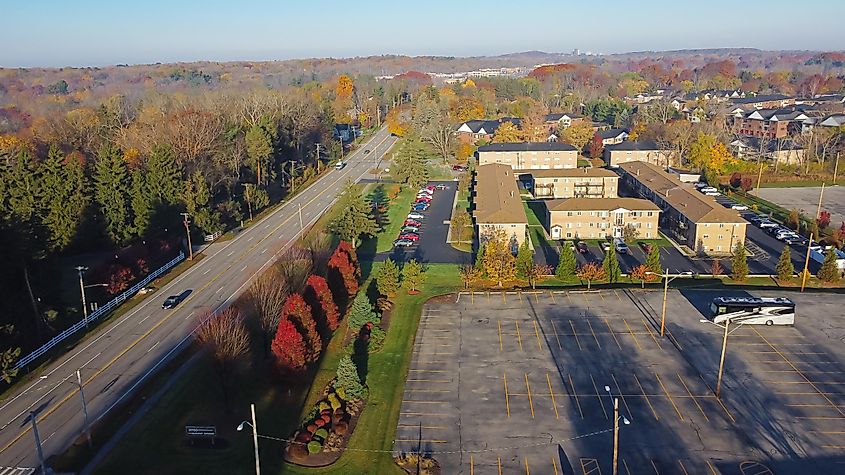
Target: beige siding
(598, 224)
(570, 187)
(531, 160)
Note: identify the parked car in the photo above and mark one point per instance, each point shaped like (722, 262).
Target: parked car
(764, 224)
(425, 191)
(795, 240)
(339, 165)
(582, 247)
(420, 206)
(707, 189)
(409, 229)
(713, 193)
(739, 207)
(410, 236)
(605, 246)
(757, 219)
(403, 243)
(700, 185)
(171, 302)
(423, 199)
(620, 245)
(779, 230)
(366, 151)
(442, 187)
(411, 222)
(646, 247)
(459, 168)
(415, 216)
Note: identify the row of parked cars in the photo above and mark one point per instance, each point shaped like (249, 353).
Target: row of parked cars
(780, 232)
(617, 243)
(409, 234)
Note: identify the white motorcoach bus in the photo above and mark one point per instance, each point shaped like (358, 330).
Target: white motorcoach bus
(753, 310)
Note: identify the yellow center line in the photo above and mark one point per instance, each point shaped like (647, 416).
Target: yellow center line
(554, 465)
(574, 333)
(646, 397)
(530, 399)
(552, 394)
(518, 335)
(594, 333)
(680, 416)
(632, 334)
(575, 394)
(598, 396)
(693, 397)
(507, 401)
(612, 333)
(537, 334)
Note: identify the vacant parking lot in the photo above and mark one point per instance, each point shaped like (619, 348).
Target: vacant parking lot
(515, 383)
(806, 200)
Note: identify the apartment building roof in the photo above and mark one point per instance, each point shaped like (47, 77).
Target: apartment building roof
(643, 145)
(497, 199)
(527, 147)
(696, 206)
(600, 204)
(593, 172)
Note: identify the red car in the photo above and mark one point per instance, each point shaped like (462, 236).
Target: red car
(409, 236)
(459, 168)
(423, 199)
(431, 188)
(411, 222)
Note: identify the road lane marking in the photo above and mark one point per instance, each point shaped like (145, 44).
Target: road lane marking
(598, 396)
(507, 398)
(680, 416)
(530, 399)
(575, 394)
(552, 394)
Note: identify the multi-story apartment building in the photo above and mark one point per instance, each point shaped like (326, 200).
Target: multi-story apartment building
(571, 183)
(691, 218)
(529, 155)
(769, 123)
(498, 206)
(764, 101)
(644, 151)
(600, 218)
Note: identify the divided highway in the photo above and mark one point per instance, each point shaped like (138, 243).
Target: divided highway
(118, 357)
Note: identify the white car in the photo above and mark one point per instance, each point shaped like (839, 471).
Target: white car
(739, 207)
(767, 224)
(712, 193)
(415, 216)
(707, 189)
(339, 165)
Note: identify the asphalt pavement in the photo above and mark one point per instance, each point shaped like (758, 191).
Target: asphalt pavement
(118, 357)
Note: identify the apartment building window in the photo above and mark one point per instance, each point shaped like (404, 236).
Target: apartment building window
(568, 225)
(569, 213)
(649, 214)
(705, 236)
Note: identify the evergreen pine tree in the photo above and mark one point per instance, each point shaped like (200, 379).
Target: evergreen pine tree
(785, 269)
(387, 279)
(611, 265)
(361, 312)
(829, 272)
(739, 264)
(354, 218)
(164, 180)
(140, 201)
(653, 260)
(111, 189)
(349, 380)
(22, 187)
(62, 193)
(524, 260)
(566, 265)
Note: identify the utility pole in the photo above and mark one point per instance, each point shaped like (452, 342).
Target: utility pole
(759, 176)
(318, 152)
(835, 168)
(378, 115)
(665, 291)
(806, 264)
(301, 227)
(188, 233)
(615, 436)
(38, 448)
(722, 358)
(819, 209)
(84, 407)
(82, 269)
(255, 440)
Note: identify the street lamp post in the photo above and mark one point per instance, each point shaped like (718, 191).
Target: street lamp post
(188, 233)
(38, 447)
(82, 269)
(666, 280)
(722, 358)
(78, 383)
(254, 437)
(616, 419)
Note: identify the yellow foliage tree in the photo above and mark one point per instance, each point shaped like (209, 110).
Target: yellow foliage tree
(577, 135)
(507, 133)
(499, 263)
(469, 83)
(466, 108)
(465, 151)
(395, 125)
(720, 157)
(344, 87)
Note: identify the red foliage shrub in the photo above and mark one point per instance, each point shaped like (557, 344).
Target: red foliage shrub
(342, 277)
(119, 278)
(319, 423)
(823, 220)
(340, 428)
(323, 307)
(326, 418)
(141, 266)
(296, 310)
(347, 248)
(288, 347)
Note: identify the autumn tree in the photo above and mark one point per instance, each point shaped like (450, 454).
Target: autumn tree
(566, 265)
(610, 264)
(348, 249)
(461, 226)
(413, 275)
(793, 221)
(387, 278)
(297, 311)
(596, 146)
(739, 263)
(289, 348)
(590, 272)
(469, 275)
(353, 218)
(259, 147)
(823, 221)
(784, 268)
(578, 135)
(499, 263)
(507, 132)
(227, 339)
(716, 268)
(640, 273)
(829, 272)
(318, 296)
(267, 296)
(341, 278)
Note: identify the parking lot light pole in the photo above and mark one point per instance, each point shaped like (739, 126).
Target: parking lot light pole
(616, 419)
(722, 358)
(254, 437)
(666, 279)
(806, 264)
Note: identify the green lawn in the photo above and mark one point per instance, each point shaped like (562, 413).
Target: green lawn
(397, 210)
(156, 445)
(535, 228)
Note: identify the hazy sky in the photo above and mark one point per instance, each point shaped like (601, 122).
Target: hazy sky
(102, 32)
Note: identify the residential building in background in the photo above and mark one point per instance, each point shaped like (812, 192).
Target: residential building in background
(529, 155)
(498, 206)
(769, 123)
(562, 121)
(475, 130)
(629, 151)
(764, 101)
(612, 136)
(689, 217)
(784, 151)
(600, 218)
(570, 183)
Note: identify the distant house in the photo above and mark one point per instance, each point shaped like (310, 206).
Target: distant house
(474, 130)
(764, 101)
(835, 120)
(562, 121)
(529, 155)
(612, 136)
(644, 151)
(780, 150)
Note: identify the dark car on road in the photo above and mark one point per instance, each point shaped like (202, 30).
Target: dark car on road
(171, 302)
(582, 247)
